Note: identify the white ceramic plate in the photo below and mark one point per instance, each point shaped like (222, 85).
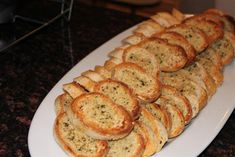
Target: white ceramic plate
(191, 142)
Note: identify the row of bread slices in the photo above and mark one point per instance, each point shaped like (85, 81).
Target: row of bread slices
(149, 89)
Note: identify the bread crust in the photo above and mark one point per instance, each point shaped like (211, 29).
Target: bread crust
(68, 147)
(85, 82)
(102, 71)
(163, 52)
(73, 89)
(99, 127)
(62, 103)
(133, 106)
(145, 86)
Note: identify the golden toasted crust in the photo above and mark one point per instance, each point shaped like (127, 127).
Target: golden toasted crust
(143, 58)
(74, 142)
(153, 123)
(177, 39)
(130, 146)
(73, 89)
(134, 39)
(148, 135)
(92, 75)
(211, 29)
(62, 102)
(85, 82)
(103, 71)
(145, 86)
(178, 15)
(97, 115)
(170, 57)
(176, 117)
(173, 96)
(121, 94)
(160, 113)
(194, 36)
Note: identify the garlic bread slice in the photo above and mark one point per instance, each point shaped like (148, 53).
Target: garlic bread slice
(145, 86)
(211, 29)
(73, 89)
(74, 142)
(120, 94)
(175, 97)
(99, 117)
(130, 146)
(62, 102)
(85, 82)
(170, 57)
(96, 77)
(102, 71)
(143, 58)
(177, 39)
(176, 117)
(154, 124)
(194, 36)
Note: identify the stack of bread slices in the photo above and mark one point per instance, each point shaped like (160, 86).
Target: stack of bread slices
(149, 89)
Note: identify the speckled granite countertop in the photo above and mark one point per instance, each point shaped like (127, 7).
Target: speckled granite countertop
(31, 68)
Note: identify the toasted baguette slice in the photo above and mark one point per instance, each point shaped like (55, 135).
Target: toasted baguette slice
(212, 70)
(211, 29)
(149, 138)
(195, 37)
(100, 118)
(176, 117)
(160, 113)
(170, 57)
(196, 95)
(177, 39)
(73, 89)
(92, 75)
(197, 73)
(121, 94)
(134, 39)
(62, 102)
(143, 58)
(157, 27)
(160, 20)
(74, 142)
(158, 128)
(118, 52)
(131, 146)
(174, 97)
(170, 18)
(145, 86)
(225, 50)
(85, 82)
(178, 15)
(102, 71)
(112, 62)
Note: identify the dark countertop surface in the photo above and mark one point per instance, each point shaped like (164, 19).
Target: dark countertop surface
(31, 68)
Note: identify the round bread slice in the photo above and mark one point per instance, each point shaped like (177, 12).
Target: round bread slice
(149, 138)
(102, 71)
(211, 29)
(160, 113)
(156, 126)
(62, 102)
(170, 57)
(74, 142)
(177, 39)
(99, 117)
(174, 97)
(120, 94)
(145, 86)
(73, 89)
(143, 58)
(194, 36)
(176, 117)
(85, 82)
(130, 146)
